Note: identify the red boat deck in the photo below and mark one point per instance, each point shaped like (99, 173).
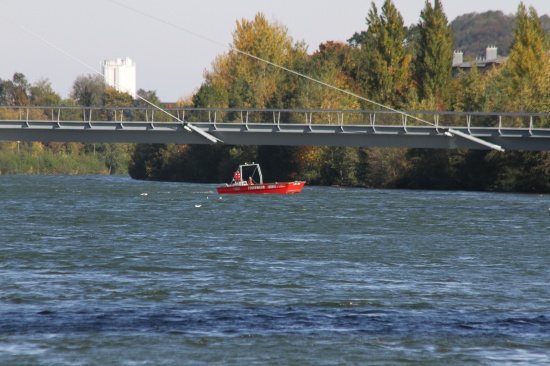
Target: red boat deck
(239, 185)
(265, 188)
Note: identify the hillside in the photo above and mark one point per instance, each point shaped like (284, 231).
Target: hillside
(473, 32)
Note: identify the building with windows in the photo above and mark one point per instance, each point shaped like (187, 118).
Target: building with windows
(120, 74)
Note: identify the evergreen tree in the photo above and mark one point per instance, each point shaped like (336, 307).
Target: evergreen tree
(469, 90)
(527, 71)
(433, 65)
(523, 85)
(383, 67)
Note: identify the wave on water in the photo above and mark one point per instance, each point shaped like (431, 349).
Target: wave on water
(222, 320)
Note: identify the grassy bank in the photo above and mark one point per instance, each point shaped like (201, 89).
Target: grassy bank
(64, 159)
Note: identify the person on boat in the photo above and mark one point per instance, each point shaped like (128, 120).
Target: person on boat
(250, 182)
(237, 176)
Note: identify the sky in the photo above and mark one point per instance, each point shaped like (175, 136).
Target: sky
(173, 42)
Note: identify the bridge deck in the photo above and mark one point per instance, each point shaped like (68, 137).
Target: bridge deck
(380, 131)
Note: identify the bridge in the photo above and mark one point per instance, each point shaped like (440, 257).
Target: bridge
(298, 127)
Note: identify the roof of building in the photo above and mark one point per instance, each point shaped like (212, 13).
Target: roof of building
(481, 63)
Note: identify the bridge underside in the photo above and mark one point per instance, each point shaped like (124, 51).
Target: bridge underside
(277, 134)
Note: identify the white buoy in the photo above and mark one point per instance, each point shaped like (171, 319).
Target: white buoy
(143, 194)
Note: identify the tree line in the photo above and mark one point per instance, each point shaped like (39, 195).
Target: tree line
(65, 158)
(407, 68)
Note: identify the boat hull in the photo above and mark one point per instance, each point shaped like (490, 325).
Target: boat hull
(265, 188)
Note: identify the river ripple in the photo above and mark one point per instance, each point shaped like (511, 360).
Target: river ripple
(106, 270)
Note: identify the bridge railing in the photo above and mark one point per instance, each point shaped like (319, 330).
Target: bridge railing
(276, 116)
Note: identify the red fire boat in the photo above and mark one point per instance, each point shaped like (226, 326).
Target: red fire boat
(255, 184)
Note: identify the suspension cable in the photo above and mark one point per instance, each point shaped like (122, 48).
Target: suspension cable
(189, 127)
(268, 62)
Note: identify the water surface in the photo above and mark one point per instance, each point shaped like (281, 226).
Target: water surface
(106, 270)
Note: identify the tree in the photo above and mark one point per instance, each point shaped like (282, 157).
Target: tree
(147, 100)
(527, 71)
(42, 94)
(211, 96)
(469, 92)
(383, 61)
(6, 87)
(145, 162)
(21, 89)
(114, 98)
(523, 85)
(433, 64)
(339, 166)
(150, 96)
(248, 81)
(329, 65)
(88, 90)
(240, 79)
(15, 91)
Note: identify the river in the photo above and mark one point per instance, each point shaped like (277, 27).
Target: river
(98, 270)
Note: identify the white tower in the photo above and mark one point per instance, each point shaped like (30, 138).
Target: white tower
(120, 74)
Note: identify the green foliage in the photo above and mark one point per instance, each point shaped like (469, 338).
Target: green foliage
(526, 74)
(523, 171)
(435, 56)
(382, 65)
(143, 161)
(470, 91)
(368, 66)
(473, 32)
(26, 160)
(211, 96)
(115, 157)
(62, 158)
(383, 168)
(247, 81)
(15, 91)
(522, 84)
(20, 90)
(113, 98)
(148, 100)
(339, 166)
(276, 162)
(408, 68)
(188, 163)
(88, 90)
(42, 94)
(330, 65)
